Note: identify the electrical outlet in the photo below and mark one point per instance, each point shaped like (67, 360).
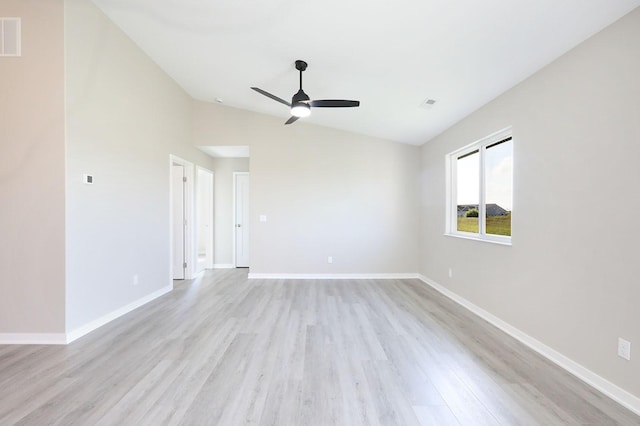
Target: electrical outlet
(450, 272)
(135, 279)
(330, 259)
(624, 349)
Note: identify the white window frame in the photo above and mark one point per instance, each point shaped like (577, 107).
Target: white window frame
(452, 196)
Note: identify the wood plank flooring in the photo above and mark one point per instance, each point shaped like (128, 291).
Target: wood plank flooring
(225, 350)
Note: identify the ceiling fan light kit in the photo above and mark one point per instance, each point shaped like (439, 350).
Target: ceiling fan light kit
(300, 109)
(301, 104)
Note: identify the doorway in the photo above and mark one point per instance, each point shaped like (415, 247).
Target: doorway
(241, 219)
(181, 190)
(204, 219)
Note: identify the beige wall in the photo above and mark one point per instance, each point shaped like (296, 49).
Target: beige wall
(124, 118)
(223, 169)
(325, 193)
(570, 279)
(32, 172)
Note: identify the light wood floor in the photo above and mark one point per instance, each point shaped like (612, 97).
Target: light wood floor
(225, 350)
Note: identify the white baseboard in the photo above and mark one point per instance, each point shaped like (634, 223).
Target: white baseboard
(613, 391)
(33, 339)
(403, 276)
(223, 266)
(89, 327)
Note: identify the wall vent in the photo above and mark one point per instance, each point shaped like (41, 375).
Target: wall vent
(10, 37)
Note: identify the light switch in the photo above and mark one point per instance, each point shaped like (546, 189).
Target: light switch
(263, 218)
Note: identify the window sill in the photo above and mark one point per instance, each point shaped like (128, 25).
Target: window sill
(474, 238)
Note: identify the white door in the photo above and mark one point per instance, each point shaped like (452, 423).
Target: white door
(241, 192)
(204, 212)
(177, 206)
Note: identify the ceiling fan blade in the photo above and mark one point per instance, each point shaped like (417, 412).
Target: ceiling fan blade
(333, 103)
(291, 119)
(274, 97)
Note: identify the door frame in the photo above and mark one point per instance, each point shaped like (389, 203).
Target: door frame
(235, 237)
(188, 213)
(210, 203)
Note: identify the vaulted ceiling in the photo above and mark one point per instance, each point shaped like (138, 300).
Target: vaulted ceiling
(390, 55)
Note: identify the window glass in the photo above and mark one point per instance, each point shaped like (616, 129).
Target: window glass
(467, 192)
(498, 167)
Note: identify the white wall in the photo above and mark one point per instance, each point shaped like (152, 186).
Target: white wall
(325, 193)
(571, 278)
(32, 172)
(124, 118)
(223, 207)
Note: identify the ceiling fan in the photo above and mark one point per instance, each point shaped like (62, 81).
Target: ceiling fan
(301, 104)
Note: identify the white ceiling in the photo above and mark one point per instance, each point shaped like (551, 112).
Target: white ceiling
(227, 151)
(390, 55)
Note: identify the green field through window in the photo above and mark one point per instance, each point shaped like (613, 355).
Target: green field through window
(496, 225)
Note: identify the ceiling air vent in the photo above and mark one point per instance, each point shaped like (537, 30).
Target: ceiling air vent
(10, 37)
(428, 103)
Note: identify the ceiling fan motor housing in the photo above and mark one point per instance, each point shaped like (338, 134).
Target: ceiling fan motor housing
(300, 96)
(299, 104)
